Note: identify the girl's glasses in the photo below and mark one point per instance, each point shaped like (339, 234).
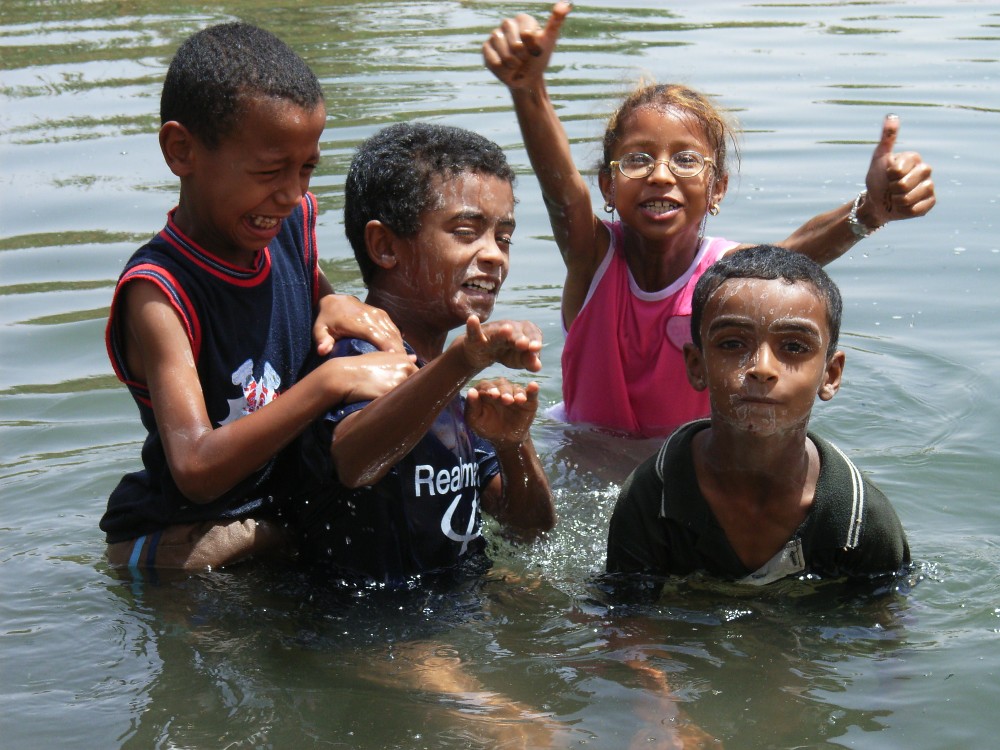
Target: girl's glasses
(637, 165)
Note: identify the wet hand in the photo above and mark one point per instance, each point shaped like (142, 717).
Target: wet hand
(368, 376)
(344, 316)
(518, 50)
(899, 183)
(512, 343)
(501, 411)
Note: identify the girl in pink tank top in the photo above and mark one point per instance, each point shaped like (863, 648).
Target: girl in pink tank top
(664, 171)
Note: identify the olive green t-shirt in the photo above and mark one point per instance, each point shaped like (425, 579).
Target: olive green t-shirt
(662, 524)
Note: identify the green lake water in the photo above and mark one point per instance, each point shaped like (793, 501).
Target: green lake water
(264, 655)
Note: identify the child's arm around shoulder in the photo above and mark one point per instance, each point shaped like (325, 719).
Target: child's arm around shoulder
(519, 497)
(207, 461)
(343, 316)
(369, 442)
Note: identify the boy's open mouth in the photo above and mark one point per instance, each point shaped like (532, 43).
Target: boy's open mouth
(486, 285)
(264, 222)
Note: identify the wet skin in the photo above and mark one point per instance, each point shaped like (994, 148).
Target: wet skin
(235, 196)
(662, 212)
(453, 267)
(764, 359)
(764, 355)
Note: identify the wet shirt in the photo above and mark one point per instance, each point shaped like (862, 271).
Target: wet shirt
(251, 334)
(623, 361)
(662, 524)
(423, 515)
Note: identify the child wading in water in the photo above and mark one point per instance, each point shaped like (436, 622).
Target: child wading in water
(216, 315)
(626, 302)
(429, 211)
(752, 494)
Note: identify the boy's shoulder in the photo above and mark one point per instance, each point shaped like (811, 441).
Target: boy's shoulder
(666, 484)
(674, 456)
(851, 514)
(840, 479)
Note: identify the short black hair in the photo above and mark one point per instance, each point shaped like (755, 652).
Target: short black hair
(390, 177)
(768, 262)
(217, 70)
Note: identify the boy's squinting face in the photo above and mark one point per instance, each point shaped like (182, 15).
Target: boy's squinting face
(456, 263)
(764, 354)
(234, 197)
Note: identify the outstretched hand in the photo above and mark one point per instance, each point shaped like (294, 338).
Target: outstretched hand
(899, 183)
(518, 50)
(513, 343)
(501, 411)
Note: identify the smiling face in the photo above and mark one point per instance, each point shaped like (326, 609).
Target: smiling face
(454, 265)
(663, 207)
(235, 196)
(763, 355)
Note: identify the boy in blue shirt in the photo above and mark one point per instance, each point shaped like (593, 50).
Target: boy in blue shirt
(429, 211)
(214, 318)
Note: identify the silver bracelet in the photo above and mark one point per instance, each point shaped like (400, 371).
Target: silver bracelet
(859, 228)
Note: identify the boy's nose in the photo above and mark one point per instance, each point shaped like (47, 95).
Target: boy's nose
(290, 192)
(762, 366)
(491, 252)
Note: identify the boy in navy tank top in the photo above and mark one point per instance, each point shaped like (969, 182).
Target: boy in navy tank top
(226, 309)
(429, 211)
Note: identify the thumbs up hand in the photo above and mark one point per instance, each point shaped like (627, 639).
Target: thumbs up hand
(899, 183)
(518, 51)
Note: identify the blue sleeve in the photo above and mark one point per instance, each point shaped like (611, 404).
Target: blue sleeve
(347, 348)
(486, 457)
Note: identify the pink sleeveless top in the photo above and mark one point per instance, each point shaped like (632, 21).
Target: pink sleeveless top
(623, 363)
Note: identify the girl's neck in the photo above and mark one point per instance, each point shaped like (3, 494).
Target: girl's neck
(655, 266)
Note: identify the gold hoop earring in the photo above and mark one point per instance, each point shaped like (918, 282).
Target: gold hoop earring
(714, 209)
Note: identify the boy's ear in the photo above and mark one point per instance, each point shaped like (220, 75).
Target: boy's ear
(695, 364)
(831, 378)
(177, 145)
(380, 242)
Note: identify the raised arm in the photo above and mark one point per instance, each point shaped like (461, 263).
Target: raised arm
(897, 186)
(207, 461)
(518, 53)
(369, 442)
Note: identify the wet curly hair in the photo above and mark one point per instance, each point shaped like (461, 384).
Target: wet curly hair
(390, 177)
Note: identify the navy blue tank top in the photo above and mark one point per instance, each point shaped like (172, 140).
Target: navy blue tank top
(251, 334)
(422, 516)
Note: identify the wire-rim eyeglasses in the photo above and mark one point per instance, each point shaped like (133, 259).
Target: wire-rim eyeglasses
(638, 165)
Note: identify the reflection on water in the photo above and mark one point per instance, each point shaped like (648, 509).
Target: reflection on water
(272, 656)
